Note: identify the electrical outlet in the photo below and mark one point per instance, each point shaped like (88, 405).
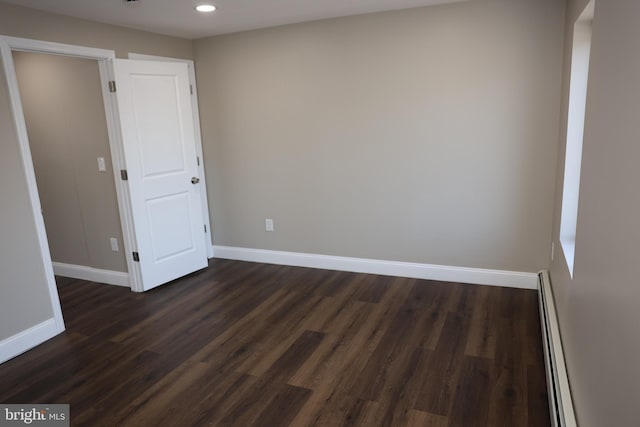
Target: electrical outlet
(268, 223)
(114, 244)
(102, 166)
(553, 249)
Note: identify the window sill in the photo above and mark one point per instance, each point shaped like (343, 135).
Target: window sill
(569, 251)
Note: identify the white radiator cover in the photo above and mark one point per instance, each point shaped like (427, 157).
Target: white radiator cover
(560, 402)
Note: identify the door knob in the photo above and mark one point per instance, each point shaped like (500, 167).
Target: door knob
(195, 180)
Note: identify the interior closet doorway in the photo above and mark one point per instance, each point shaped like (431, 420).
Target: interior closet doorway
(69, 142)
(150, 138)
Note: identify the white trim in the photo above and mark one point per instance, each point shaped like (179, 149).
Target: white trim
(29, 45)
(479, 276)
(19, 343)
(97, 275)
(118, 163)
(198, 136)
(27, 164)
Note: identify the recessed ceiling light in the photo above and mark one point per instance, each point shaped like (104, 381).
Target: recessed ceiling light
(205, 8)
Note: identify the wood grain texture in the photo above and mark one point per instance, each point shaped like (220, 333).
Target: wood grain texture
(244, 344)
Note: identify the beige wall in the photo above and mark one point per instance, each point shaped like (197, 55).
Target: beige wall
(65, 117)
(24, 296)
(425, 135)
(598, 309)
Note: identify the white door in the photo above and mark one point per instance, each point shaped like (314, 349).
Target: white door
(160, 154)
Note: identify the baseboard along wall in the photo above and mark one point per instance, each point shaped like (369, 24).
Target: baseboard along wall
(478, 276)
(82, 272)
(27, 339)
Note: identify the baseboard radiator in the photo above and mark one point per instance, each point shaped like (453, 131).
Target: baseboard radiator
(560, 402)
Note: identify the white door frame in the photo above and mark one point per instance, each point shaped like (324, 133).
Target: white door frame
(103, 57)
(6, 46)
(198, 136)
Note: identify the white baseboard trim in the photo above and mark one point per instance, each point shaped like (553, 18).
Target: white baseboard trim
(19, 343)
(92, 274)
(444, 273)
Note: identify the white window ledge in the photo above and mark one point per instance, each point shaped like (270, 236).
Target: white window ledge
(569, 250)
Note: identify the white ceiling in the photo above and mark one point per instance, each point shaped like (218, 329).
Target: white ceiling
(178, 17)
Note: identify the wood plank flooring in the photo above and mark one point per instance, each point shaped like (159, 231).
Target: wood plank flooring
(244, 344)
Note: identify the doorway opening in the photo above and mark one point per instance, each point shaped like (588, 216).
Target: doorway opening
(69, 144)
(118, 146)
(11, 46)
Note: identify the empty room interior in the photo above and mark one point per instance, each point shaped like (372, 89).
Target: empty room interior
(295, 213)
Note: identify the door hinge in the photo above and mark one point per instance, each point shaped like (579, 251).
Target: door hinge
(136, 256)
(124, 175)
(191, 89)
(112, 86)
(198, 160)
(205, 228)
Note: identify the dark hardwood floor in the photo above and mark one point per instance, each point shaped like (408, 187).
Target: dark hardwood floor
(243, 344)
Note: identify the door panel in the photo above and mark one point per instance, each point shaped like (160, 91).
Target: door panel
(170, 225)
(159, 150)
(159, 128)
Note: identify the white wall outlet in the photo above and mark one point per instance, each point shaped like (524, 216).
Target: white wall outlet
(553, 249)
(268, 224)
(102, 166)
(114, 244)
